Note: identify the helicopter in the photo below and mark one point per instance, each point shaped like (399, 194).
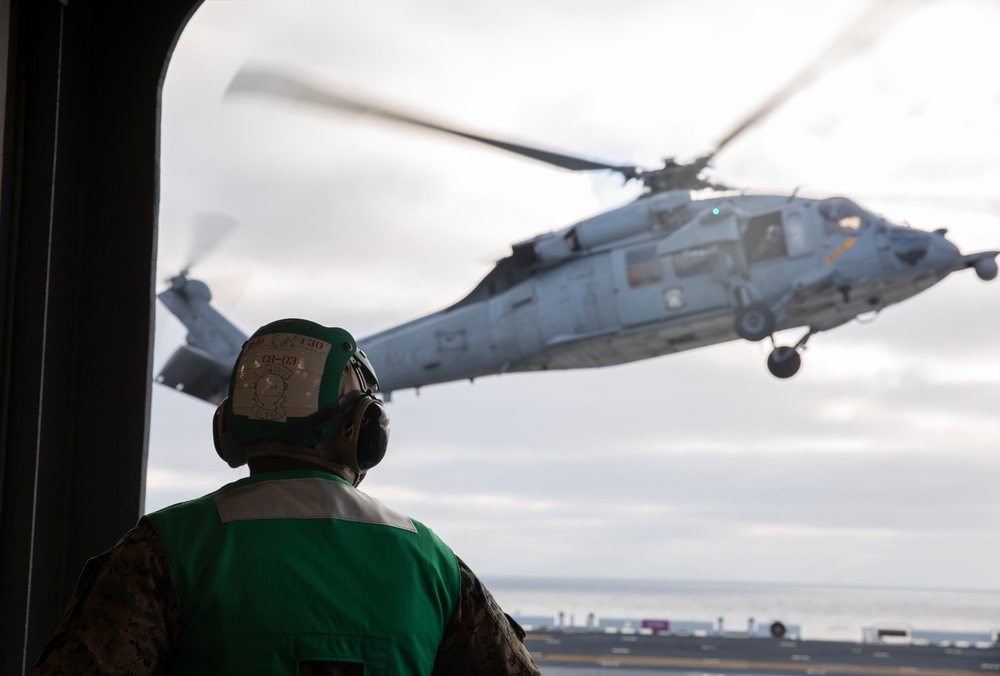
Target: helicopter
(689, 263)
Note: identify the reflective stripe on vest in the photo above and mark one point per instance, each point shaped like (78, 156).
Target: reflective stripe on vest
(307, 498)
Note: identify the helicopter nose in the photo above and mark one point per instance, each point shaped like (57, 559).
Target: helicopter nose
(942, 254)
(909, 246)
(916, 246)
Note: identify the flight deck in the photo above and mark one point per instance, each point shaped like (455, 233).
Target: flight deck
(597, 651)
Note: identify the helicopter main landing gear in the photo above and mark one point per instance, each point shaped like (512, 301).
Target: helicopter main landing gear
(755, 322)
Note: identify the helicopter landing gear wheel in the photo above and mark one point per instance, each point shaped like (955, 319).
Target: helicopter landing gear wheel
(784, 362)
(754, 322)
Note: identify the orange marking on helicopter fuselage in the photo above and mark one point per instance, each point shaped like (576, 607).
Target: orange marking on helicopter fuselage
(841, 249)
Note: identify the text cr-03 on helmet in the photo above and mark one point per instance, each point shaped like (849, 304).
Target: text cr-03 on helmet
(299, 384)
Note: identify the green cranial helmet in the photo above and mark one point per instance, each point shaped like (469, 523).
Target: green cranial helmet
(289, 370)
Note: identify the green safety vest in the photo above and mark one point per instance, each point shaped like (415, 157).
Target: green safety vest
(286, 567)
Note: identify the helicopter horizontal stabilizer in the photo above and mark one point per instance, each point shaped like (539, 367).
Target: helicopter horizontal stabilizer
(197, 373)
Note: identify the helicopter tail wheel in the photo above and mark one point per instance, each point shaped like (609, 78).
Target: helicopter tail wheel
(784, 362)
(755, 322)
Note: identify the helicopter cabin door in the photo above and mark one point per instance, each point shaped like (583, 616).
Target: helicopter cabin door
(654, 287)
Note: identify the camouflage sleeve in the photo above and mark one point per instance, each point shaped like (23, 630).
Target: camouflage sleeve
(480, 638)
(123, 616)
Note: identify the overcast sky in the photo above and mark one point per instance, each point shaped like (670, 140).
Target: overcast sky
(877, 464)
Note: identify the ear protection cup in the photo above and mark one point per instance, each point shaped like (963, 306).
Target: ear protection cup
(226, 445)
(368, 432)
(365, 434)
(364, 430)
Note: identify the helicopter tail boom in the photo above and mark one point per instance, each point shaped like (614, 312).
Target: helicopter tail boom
(201, 367)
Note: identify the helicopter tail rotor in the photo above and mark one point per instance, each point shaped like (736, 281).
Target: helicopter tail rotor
(209, 230)
(200, 367)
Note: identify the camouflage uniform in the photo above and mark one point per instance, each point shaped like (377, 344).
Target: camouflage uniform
(125, 616)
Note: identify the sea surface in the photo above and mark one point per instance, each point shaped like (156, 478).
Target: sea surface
(821, 612)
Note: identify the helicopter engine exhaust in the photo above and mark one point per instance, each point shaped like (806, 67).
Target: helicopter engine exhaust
(600, 230)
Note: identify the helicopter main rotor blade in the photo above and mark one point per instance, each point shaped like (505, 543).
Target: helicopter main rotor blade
(278, 85)
(972, 204)
(861, 35)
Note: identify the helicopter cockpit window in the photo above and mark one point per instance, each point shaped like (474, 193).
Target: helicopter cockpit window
(764, 238)
(842, 215)
(643, 266)
(695, 261)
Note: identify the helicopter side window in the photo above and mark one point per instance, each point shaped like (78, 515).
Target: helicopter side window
(643, 266)
(764, 238)
(842, 215)
(695, 261)
(796, 238)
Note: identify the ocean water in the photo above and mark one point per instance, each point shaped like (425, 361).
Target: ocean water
(821, 612)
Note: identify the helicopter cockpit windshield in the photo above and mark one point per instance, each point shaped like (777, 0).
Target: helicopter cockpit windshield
(842, 215)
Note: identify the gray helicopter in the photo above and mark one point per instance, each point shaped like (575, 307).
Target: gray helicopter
(687, 264)
(669, 272)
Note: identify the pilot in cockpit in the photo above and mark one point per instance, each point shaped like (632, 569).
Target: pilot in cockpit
(841, 214)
